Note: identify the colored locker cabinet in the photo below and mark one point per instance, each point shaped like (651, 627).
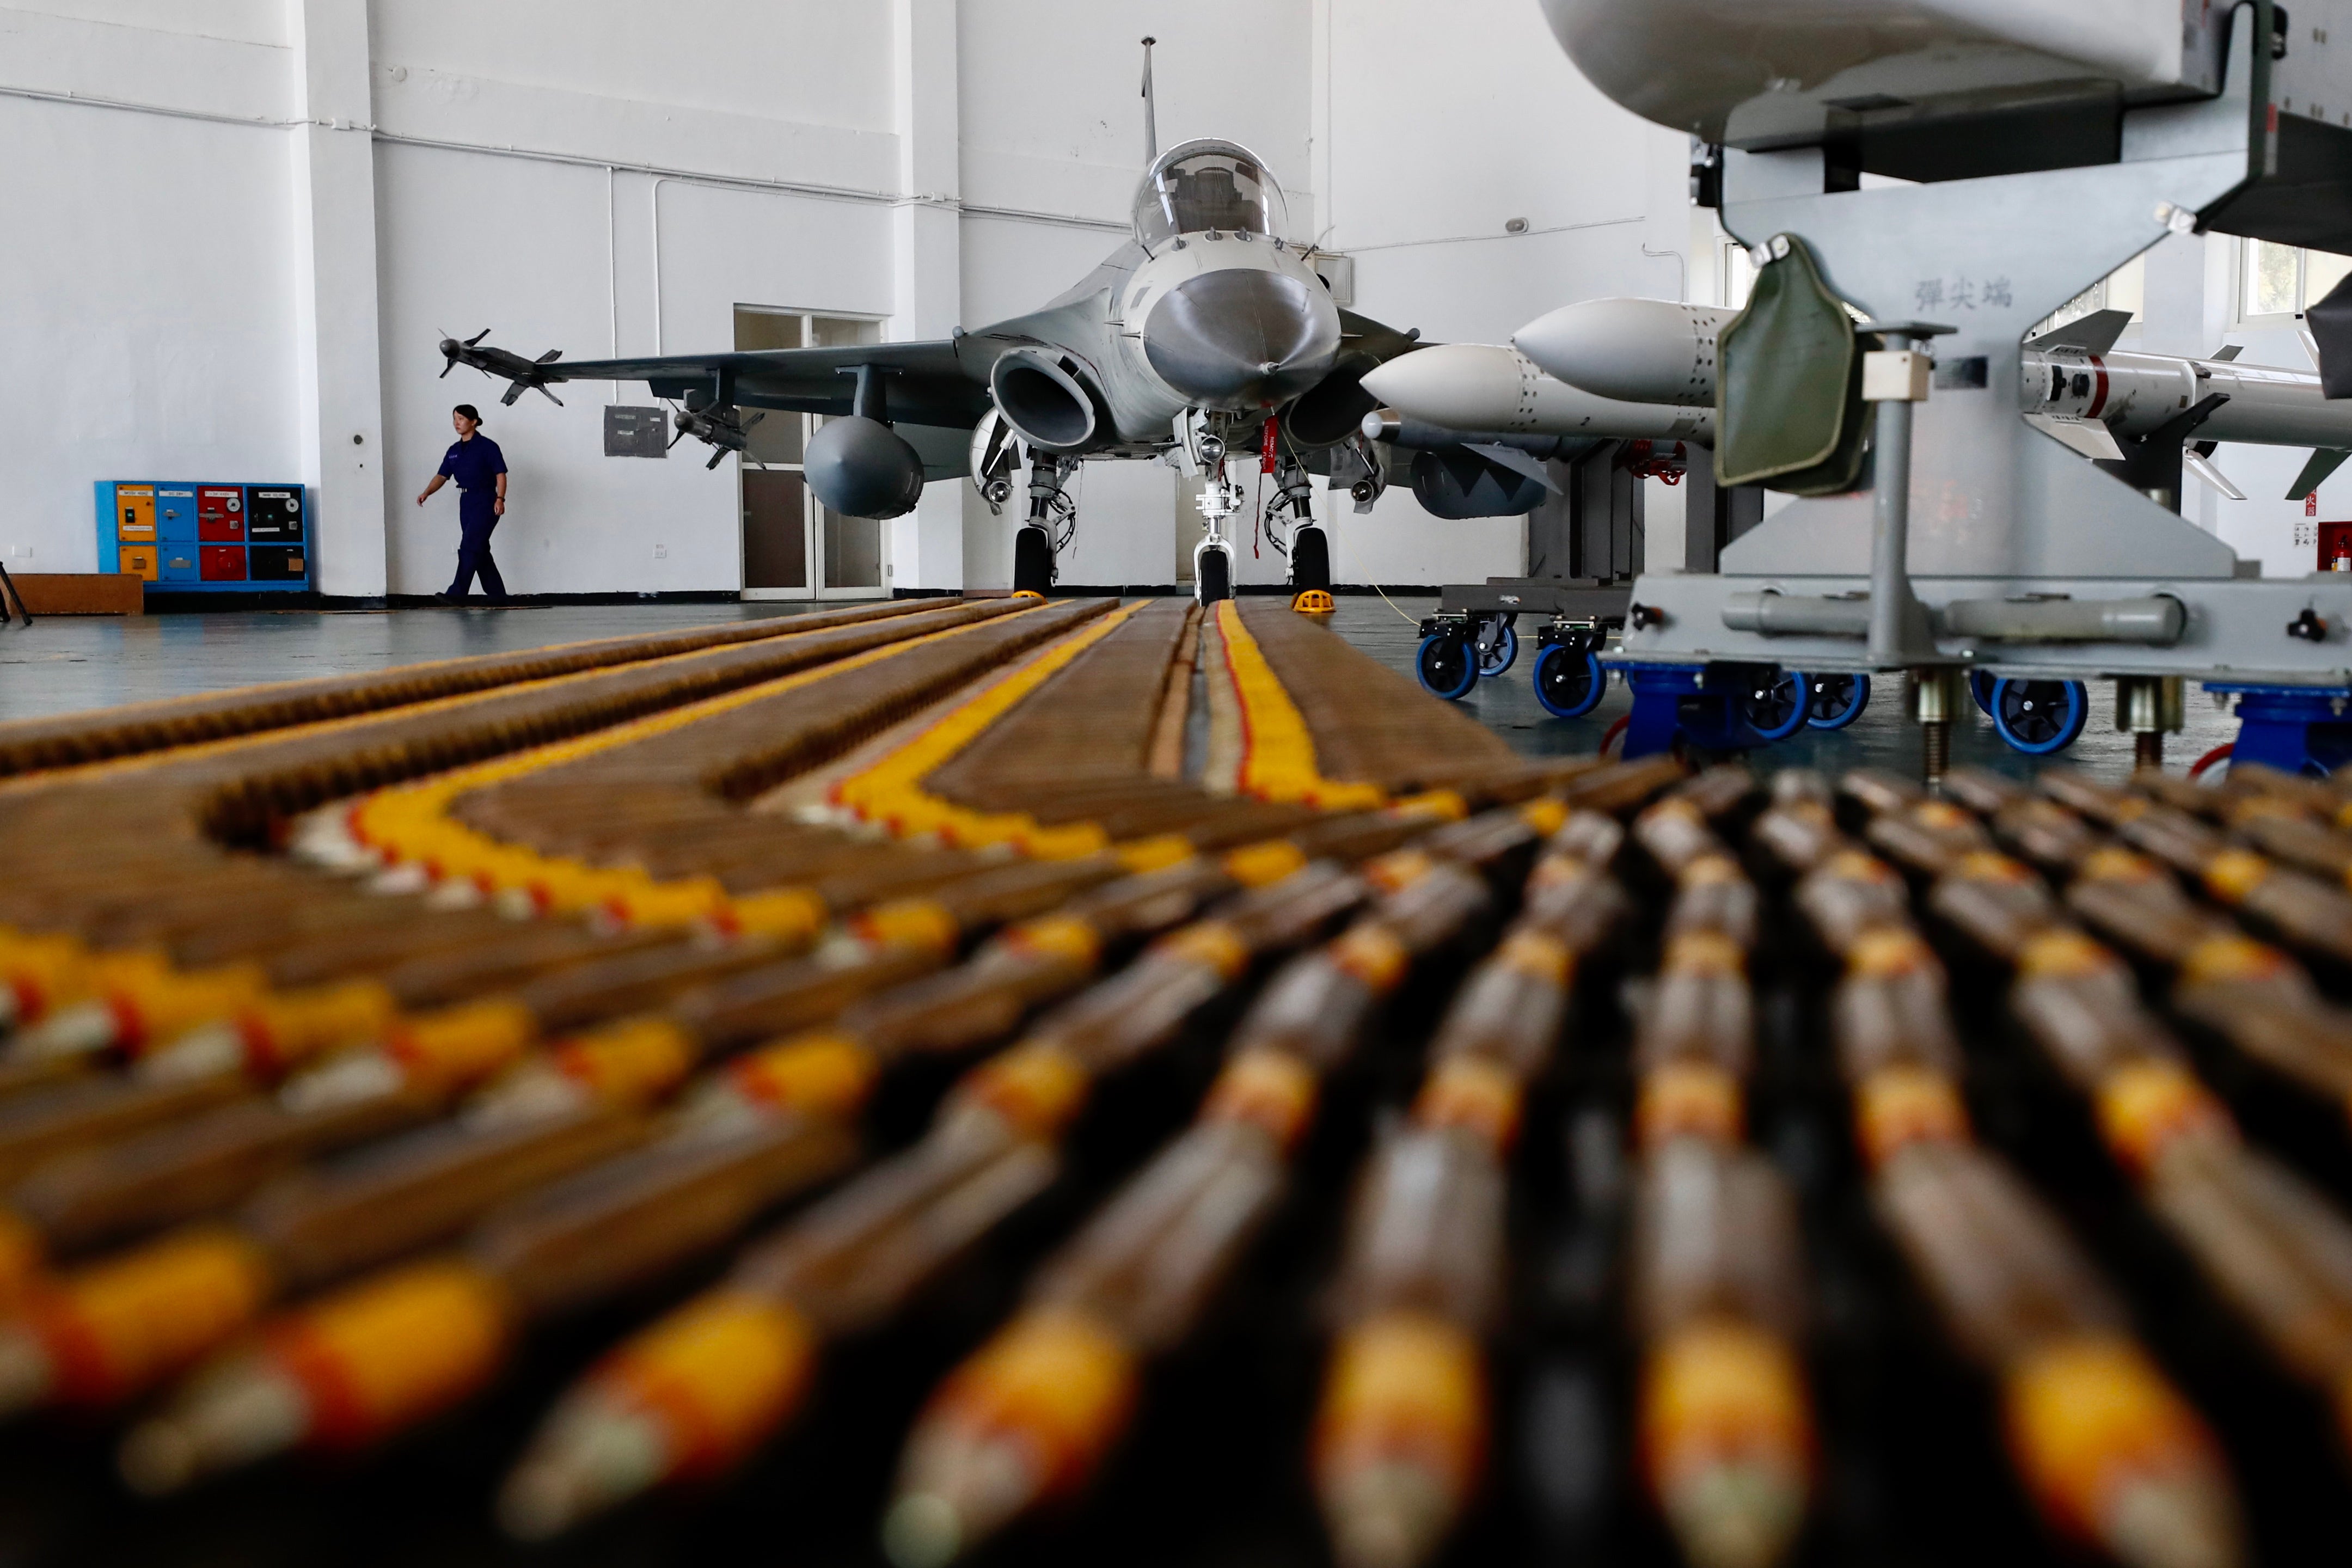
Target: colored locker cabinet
(220, 515)
(273, 513)
(137, 559)
(276, 562)
(175, 512)
(176, 562)
(134, 511)
(221, 562)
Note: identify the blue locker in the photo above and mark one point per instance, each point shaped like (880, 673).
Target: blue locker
(175, 514)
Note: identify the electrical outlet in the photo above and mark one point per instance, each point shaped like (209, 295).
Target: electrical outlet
(661, 552)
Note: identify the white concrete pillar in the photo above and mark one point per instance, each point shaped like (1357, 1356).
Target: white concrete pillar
(927, 258)
(337, 369)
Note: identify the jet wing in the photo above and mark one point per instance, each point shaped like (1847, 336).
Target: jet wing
(942, 382)
(1361, 337)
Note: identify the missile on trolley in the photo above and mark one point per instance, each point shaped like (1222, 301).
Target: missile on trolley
(2076, 387)
(1500, 392)
(1636, 351)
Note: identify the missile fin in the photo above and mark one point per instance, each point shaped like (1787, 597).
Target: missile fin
(2323, 461)
(2089, 437)
(1511, 457)
(2202, 466)
(2096, 333)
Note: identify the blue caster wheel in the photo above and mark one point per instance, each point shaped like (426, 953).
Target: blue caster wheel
(1445, 667)
(1833, 701)
(2039, 717)
(1505, 653)
(1775, 708)
(1981, 685)
(1568, 683)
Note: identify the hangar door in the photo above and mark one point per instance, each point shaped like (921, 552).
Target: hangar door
(793, 546)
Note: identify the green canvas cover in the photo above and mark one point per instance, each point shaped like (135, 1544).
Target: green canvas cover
(1787, 404)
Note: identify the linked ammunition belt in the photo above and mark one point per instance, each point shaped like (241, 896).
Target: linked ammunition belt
(991, 1071)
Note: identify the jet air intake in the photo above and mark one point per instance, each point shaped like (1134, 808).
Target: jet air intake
(1242, 338)
(1048, 406)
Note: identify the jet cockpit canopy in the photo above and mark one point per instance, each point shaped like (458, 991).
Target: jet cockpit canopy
(1199, 185)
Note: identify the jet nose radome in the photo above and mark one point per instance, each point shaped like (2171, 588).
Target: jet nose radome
(1238, 337)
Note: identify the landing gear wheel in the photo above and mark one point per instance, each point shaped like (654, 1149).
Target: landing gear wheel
(1310, 562)
(1569, 684)
(2039, 717)
(1505, 653)
(1445, 667)
(1775, 708)
(1981, 685)
(1212, 576)
(1833, 701)
(1032, 562)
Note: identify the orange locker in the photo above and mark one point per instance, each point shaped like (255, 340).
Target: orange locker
(135, 506)
(139, 559)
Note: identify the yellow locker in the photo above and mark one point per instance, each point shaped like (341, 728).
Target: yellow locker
(139, 559)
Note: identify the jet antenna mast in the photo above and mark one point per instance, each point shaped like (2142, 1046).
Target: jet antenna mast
(1150, 111)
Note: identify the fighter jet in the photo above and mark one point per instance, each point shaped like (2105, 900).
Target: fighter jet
(1205, 340)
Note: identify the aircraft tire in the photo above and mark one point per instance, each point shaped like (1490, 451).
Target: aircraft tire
(1310, 560)
(1033, 562)
(1214, 570)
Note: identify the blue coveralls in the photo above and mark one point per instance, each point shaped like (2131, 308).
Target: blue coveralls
(475, 463)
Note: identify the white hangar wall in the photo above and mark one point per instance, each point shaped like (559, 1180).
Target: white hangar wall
(238, 227)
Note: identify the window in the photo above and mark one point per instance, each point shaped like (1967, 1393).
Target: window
(2281, 280)
(2124, 288)
(794, 547)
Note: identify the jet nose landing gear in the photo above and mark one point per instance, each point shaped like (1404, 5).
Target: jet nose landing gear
(1213, 558)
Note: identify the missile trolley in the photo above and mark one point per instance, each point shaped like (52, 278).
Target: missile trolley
(1948, 528)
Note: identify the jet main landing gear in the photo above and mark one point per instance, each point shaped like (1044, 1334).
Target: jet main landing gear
(1053, 523)
(1309, 547)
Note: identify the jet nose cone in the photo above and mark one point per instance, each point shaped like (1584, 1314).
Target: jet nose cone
(1241, 338)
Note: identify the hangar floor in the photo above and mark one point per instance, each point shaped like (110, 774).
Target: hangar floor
(61, 665)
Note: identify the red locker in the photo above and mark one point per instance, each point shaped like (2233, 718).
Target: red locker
(220, 514)
(2336, 547)
(221, 562)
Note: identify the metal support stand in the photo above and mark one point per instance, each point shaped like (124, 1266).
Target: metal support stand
(2147, 707)
(1938, 695)
(1900, 636)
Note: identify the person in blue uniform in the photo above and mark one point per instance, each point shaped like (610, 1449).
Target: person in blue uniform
(474, 461)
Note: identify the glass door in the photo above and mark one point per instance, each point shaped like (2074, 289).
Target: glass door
(794, 547)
